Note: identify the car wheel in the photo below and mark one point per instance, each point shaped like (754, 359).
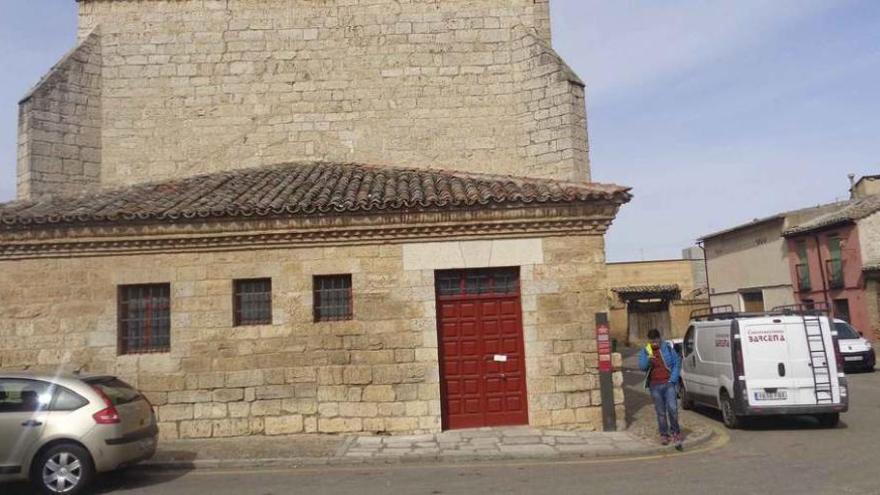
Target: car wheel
(63, 469)
(686, 402)
(731, 420)
(829, 420)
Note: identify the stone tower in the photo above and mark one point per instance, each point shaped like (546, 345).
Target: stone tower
(158, 89)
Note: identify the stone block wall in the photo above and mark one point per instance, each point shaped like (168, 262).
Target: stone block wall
(196, 86)
(59, 126)
(375, 373)
(869, 238)
(553, 115)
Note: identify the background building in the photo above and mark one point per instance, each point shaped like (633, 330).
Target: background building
(656, 294)
(748, 264)
(832, 258)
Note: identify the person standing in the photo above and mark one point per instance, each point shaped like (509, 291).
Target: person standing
(662, 367)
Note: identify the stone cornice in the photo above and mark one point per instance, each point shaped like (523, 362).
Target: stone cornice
(281, 232)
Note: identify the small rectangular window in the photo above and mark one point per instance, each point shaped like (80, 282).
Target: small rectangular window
(144, 318)
(753, 302)
(332, 297)
(252, 302)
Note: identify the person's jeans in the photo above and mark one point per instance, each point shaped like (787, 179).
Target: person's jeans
(665, 398)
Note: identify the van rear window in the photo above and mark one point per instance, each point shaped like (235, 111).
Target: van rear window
(115, 389)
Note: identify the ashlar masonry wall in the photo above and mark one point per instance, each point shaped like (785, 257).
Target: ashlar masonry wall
(196, 86)
(376, 373)
(59, 126)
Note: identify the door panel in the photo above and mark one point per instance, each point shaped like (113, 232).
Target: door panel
(23, 415)
(482, 352)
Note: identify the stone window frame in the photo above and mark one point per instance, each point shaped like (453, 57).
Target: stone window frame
(152, 319)
(332, 297)
(251, 301)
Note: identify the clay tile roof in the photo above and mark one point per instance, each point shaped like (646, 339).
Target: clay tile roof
(635, 292)
(848, 211)
(644, 289)
(302, 189)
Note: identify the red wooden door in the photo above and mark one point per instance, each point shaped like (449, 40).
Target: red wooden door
(479, 319)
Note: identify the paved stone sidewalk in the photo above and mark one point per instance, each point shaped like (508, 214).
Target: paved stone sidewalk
(482, 444)
(496, 443)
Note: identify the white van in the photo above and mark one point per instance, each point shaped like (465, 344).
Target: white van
(750, 364)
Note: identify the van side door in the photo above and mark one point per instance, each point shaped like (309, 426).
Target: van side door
(688, 358)
(702, 363)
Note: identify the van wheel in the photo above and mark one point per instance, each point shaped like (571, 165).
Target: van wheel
(66, 468)
(731, 420)
(686, 402)
(829, 420)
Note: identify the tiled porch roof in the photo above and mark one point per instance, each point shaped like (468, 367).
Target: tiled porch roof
(303, 189)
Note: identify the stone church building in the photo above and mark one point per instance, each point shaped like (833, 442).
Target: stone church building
(288, 216)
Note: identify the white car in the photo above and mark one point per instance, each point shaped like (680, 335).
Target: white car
(772, 363)
(857, 351)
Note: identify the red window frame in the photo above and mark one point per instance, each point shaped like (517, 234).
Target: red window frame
(144, 318)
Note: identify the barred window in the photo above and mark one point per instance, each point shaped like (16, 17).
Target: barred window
(332, 297)
(252, 302)
(144, 318)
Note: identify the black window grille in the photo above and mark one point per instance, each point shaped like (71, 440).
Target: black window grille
(144, 318)
(252, 302)
(494, 281)
(332, 297)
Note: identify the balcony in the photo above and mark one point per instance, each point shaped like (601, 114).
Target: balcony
(834, 270)
(803, 277)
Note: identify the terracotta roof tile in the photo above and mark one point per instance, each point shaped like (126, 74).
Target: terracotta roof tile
(302, 189)
(848, 211)
(632, 289)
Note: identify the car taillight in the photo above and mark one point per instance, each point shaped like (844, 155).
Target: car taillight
(838, 356)
(109, 415)
(739, 366)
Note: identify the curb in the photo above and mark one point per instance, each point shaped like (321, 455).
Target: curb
(340, 460)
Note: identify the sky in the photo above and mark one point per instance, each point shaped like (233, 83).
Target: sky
(714, 112)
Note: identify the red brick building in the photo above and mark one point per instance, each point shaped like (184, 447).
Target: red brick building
(832, 259)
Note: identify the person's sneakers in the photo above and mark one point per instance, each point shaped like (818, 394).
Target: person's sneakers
(664, 439)
(677, 439)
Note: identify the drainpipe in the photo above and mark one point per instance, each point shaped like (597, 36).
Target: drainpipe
(822, 272)
(706, 268)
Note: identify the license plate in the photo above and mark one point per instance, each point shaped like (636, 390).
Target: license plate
(771, 395)
(852, 358)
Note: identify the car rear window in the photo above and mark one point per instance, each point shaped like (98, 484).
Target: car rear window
(115, 389)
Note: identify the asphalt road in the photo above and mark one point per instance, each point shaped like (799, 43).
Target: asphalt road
(772, 456)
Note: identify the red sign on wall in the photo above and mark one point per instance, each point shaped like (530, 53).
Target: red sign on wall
(603, 338)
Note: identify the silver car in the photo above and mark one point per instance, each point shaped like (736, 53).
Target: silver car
(59, 431)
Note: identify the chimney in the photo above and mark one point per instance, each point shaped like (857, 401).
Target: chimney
(852, 185)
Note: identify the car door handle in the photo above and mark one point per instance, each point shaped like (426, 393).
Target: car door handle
(32, 422)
